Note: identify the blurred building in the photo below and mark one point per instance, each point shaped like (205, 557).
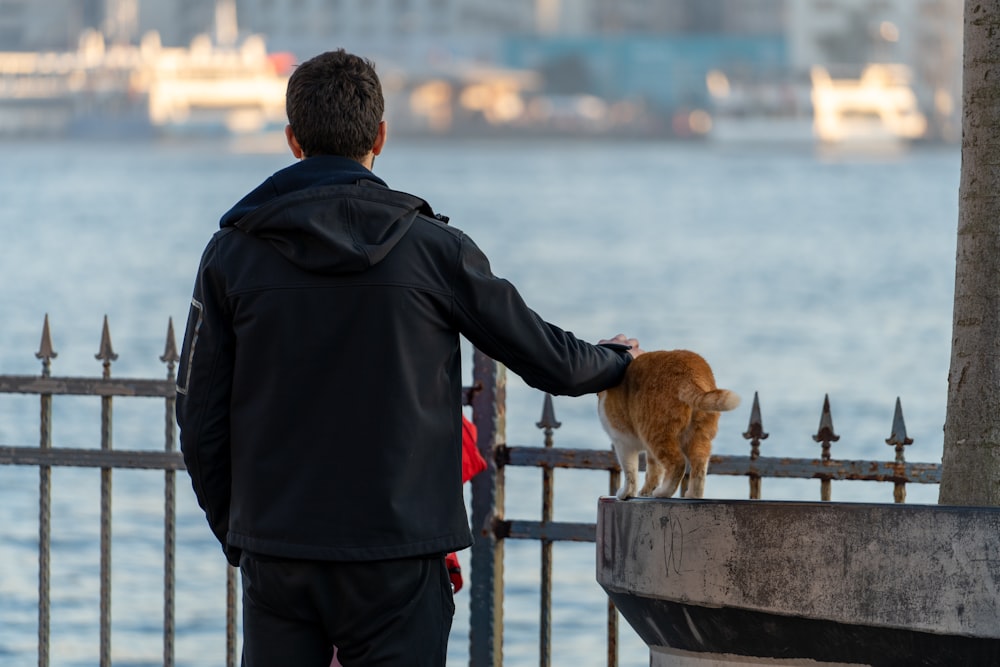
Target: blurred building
(667, 72)
(401, 30)
(56, 25)
(177, 21)
(745, 17)
(37, 25)
(650, 59)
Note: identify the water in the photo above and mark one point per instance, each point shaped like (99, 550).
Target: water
(796, 274)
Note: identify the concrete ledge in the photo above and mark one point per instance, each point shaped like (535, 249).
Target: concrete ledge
(666, 657)
(829, 582)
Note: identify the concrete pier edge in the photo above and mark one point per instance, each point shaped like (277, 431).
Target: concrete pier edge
(832, 583)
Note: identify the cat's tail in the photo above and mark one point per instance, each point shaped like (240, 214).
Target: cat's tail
(715, 400)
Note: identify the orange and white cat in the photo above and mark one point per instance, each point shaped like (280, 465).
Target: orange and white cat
(668, 406)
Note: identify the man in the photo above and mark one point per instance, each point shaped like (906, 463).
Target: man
(319, 395)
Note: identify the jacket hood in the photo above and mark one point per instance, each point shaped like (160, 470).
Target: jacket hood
(327, 214)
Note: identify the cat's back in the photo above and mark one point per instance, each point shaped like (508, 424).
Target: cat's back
(652, 381)
(655, 371)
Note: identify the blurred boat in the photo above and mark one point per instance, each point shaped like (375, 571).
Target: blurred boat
(876, 110)
(878, 107)
(208, 89)
(149, 89)
(766, 110)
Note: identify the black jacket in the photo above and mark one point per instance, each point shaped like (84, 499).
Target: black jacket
(319, 390)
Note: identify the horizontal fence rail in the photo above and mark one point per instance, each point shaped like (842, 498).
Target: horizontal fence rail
(78, 386)
(741, 466)
(91, 458)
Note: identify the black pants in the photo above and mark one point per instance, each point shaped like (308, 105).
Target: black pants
(394, 613)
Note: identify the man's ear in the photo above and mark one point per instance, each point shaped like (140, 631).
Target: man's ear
(380, 138)
(293, 143)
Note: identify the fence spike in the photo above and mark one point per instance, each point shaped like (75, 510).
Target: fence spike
(825, 434)
(45, 351)
(898, 439)
(755, 429)
(170, 355)
(106, 353)
(755, 433)
(548, 420)
(898, 436)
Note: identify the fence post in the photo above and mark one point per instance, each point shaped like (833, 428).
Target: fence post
(548, 423)
(232, 590)
(614, 480)
(486, 585)
(170, 358)
(106, 355)
(46, 354)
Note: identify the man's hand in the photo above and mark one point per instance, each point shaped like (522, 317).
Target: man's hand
(621, 339)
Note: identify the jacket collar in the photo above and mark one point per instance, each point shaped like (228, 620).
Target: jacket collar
(317, 171)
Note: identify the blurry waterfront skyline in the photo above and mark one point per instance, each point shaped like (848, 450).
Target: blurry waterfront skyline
(632, 64)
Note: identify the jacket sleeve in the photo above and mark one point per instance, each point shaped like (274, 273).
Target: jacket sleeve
(494, 317)
(204, 381)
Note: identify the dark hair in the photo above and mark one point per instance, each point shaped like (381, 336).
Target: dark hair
(334, 104)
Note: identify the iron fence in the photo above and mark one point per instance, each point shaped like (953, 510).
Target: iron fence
(486, 619)
(107, 459)
(487, 396)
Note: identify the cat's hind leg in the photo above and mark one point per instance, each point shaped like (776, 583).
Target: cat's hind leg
(627, 450)
(663, 444)
(654, 473)
(673, 469)
(698, 449)
(696, 484)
